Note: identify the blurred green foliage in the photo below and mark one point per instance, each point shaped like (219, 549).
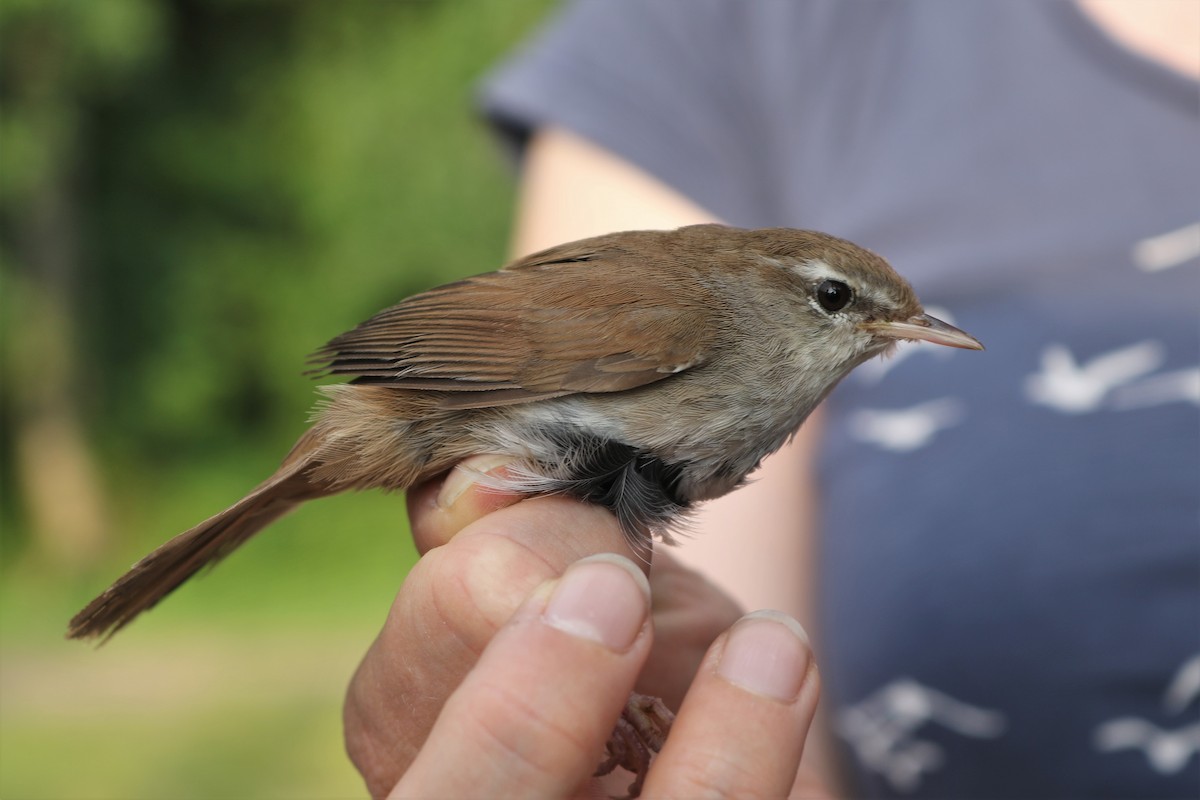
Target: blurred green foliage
(193, 196)
(253, 178)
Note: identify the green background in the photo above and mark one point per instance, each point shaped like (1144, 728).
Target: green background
(193, 196)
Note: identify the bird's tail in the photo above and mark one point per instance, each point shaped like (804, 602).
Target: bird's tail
(162, 571)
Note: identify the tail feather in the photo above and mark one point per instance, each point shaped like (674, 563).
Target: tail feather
(162, 571)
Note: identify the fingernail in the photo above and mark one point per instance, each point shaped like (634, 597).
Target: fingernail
(465, 474)
(767, 653)
(604, 598)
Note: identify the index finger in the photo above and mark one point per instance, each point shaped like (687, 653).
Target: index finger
(531, 718)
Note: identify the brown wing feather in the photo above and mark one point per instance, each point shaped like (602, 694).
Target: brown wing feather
(592, 316)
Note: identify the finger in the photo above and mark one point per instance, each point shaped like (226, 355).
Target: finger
(478, 579)
(532, 717)
(761, 682)
(439, 509)
(449, 607)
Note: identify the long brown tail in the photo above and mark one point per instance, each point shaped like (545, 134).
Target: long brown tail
(162, 571)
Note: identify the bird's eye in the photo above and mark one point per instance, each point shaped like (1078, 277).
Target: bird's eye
(833, 295)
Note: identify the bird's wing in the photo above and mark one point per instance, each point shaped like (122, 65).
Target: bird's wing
(578, 318)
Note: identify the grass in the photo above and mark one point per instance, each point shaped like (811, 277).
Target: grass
(128, 728)
(232, 687)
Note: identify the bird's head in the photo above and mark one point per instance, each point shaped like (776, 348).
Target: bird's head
(853, 302)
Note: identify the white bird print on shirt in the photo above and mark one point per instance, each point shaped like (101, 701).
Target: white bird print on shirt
(1166, 751)
(1073, 388)
(906, 429)
(1168, 249)
(1180, 386)
(882, 729)
(1184, 687)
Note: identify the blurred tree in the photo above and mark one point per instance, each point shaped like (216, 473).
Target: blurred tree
(56, 60)
(194, 194)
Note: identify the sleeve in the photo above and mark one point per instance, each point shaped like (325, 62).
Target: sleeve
(677, 88)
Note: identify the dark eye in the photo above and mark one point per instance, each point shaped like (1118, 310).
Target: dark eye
(833, 295)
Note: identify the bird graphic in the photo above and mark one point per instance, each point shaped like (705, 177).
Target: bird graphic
(1068, 386)
(1167, 751)
(906, 429)
(1167, 250)
(1184, 687)
(1179, 386)
(882, 727)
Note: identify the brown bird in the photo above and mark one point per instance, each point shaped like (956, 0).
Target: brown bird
(643, 371)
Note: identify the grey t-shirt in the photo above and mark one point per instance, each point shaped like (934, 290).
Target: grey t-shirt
(1010, 553)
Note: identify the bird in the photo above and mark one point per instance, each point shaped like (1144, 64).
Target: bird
(642, 371)
(903, 430)
(1071, 387)
(1167, 751)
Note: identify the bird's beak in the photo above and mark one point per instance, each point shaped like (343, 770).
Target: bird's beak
(927, 329)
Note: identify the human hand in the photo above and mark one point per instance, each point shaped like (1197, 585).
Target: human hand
(484, 557)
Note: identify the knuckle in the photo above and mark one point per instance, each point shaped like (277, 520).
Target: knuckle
(525, 741)
(471, 587)
(717, 773)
